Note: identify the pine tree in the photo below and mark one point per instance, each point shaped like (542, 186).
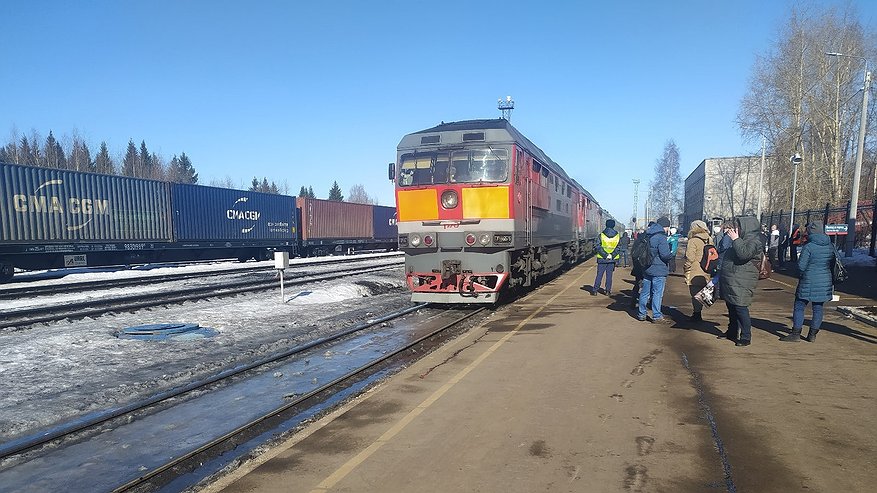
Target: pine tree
(311, 193)
(27, 153)
(130, 163)
(335, 192)
(254, 186)
(303, 192)
(103, 163)
(273, 188)
(186, 171)
(54, 155)
(145, 160)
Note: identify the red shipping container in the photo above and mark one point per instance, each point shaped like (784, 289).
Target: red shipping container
(331, 219)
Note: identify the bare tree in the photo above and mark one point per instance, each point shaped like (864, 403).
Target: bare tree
(358, 195)
(666, 187)
(804, 101)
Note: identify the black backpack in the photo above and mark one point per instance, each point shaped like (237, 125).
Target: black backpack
(709, 261)
(641, 253)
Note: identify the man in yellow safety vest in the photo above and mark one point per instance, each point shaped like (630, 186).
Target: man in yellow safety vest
(607, 256)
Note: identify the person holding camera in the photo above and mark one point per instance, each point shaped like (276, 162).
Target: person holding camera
(739, 276)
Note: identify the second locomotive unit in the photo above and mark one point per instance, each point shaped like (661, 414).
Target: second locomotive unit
(481, 208)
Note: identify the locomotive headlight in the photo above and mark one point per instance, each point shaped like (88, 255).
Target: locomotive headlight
(414, 240)
(428, 240)
(484, 239)
(470, 239)
(449, 199)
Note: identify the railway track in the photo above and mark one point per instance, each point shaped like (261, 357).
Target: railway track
(156, 442)
(72, 287)
(24, 317)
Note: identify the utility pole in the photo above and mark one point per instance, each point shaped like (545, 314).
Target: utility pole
(761, 178)
(635, 198)
(857, 174)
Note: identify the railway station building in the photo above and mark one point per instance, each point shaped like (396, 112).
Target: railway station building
(720, 188)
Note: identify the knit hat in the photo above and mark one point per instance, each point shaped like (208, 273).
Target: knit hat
(698, 224)
(815, 227)
(664, 222)
(610, 223)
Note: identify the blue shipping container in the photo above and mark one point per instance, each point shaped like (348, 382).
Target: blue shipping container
(208, 213)
(385, 223)
(42, 205)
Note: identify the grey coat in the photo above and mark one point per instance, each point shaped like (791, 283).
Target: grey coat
(814, 264)
(739, 275)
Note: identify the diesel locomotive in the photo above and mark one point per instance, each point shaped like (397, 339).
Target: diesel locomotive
(480, 208)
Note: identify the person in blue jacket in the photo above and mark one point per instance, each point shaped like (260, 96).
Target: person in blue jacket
(814, 283)
(655, 275)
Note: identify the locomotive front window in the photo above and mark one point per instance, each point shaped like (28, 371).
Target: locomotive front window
(423, 169)
(467, 166)
(480, 165)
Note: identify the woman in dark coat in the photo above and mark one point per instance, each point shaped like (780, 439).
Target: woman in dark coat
(814, 283)
(739, 276)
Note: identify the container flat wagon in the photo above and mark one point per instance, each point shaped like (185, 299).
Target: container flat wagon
(57, 218)
(333, 227)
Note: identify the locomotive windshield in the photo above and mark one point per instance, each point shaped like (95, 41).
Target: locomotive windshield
(465, 166)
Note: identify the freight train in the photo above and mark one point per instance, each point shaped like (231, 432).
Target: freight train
(52, 218)
(481, 208)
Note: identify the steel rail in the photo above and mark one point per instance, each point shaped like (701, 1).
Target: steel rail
(91, 420)
(15, 293)
(144, 478)
(30, 316)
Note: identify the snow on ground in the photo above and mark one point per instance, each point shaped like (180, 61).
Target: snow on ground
(860, 258)
(53, 372)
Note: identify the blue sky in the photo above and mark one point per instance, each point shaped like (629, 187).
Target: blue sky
(313, 92)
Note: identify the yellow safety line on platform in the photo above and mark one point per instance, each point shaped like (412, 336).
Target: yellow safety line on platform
(350, 465)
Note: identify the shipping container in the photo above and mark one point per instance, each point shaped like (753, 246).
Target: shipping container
(50, 206)
(334, 220)
(385, 223)
(222, 214)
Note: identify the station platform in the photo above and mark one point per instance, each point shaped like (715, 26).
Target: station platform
(567, 392)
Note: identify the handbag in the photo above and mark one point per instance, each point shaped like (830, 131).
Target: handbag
(763, 265)
(838, 271)
(707, 295)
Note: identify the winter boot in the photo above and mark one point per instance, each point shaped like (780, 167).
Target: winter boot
(811, 336)
(794, 335)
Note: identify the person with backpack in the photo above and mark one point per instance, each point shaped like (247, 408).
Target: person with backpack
(655, 272)
(639, 250)
(607, 256)
(815, 283)
(739, 276)
(697, 258)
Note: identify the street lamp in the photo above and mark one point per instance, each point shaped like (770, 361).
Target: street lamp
(795, 160)
(857, 173)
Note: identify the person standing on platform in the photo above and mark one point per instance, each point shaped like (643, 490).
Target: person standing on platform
(773, 246)
(623, 247)
(815, 282)
(607, 256)
(739, 276)
(695, 277)
(673, 239)
(636, 268)
(655, 274)
(794, 243)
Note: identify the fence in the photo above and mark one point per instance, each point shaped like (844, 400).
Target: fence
(866, 226)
